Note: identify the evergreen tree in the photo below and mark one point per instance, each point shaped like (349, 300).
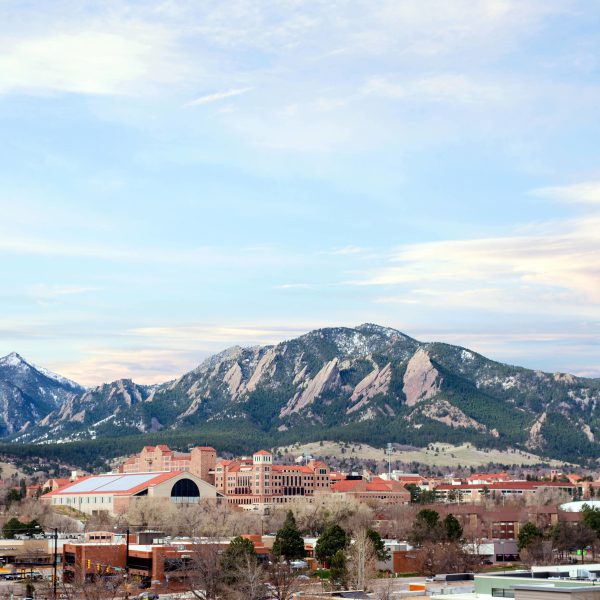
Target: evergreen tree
(12, 496)
(429, 517)
(529, 535)
(591, 517)
(426, 528)
(338, 571)
(381, 551)
(236, 557)
(15, 527)
(288, 542)
(332, 540)
(453, 528)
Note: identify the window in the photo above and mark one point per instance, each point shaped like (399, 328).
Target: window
(185, 491)
(503, 593)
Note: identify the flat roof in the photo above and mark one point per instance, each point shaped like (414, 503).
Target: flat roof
(562, 590)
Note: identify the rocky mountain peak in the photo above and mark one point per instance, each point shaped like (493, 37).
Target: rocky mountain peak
(421, 379)
(374, 383)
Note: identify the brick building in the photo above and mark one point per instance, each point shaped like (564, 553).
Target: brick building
(156, 564)
(504, 522)
(257, 481)
(479, 492)
(378, 489)
(200, 461)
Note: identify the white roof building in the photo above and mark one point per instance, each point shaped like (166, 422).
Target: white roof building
(112, 493)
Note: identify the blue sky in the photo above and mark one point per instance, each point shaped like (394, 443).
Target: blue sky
(177, 177)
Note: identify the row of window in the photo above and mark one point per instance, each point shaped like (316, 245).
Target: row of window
(86, 500)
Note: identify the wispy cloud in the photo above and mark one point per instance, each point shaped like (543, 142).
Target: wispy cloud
(294, 286)
(554, 266)
(345, 250)
(202, 255)
(86, 61)
(217, 96)
(580, 193)
(49, 291)
(440, 88)
(219, 334)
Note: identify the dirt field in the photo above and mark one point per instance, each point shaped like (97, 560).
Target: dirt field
(8, 470)
(437, 454)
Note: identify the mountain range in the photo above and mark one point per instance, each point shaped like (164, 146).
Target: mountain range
(364, 384)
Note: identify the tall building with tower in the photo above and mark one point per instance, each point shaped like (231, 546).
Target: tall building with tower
(257, 481)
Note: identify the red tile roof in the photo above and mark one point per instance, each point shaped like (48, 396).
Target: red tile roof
(345, 485)
(293, 468)
(504, 485)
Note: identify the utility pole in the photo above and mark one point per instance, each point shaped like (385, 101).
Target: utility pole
(127, 555)
(55, 566)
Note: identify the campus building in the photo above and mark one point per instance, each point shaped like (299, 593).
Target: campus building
(378, 489)
(113, 493)
(479, 492)
(257, 481)
(156, 564)
(199, 460)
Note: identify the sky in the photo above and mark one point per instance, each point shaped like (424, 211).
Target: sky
(178, 176)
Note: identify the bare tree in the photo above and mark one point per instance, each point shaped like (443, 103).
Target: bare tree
(100, 522)
(151, 512)
(363, 560)
(545, 496)
(398, 520)
(98, 587)
(444, 557)
(322, 510)
(209, 519)
(200, 568)
(282, 579)
(250, 580)
(385, 589)
(538, 552)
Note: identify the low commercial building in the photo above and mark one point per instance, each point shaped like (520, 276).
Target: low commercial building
(165, 566)
(556, 582)
(26, 553)
(113, 493)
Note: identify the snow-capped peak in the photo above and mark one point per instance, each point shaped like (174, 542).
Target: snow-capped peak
(55, 377)
(12, 360)
(15, 360)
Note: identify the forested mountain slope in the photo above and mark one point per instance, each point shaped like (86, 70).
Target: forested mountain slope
(367, 383)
